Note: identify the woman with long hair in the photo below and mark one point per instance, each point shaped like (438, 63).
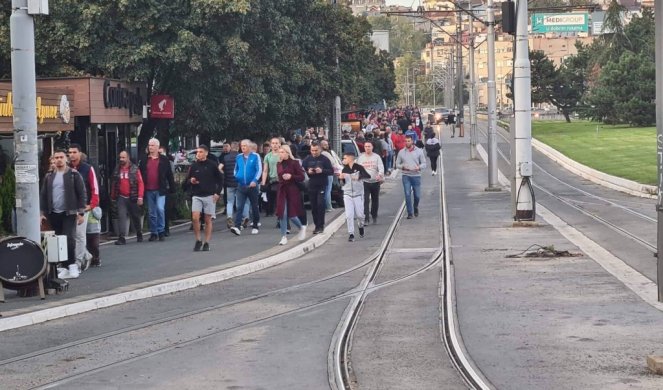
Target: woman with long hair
(288, 196)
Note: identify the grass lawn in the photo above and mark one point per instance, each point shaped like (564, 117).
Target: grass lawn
(628, 152)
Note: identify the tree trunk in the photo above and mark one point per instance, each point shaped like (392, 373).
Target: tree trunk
(566, 116)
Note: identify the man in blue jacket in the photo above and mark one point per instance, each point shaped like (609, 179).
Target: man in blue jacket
(248, 172)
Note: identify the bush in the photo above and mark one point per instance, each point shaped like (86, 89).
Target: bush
(7, 199)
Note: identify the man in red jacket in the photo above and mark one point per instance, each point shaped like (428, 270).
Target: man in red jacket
(127, 189)
(398, 138)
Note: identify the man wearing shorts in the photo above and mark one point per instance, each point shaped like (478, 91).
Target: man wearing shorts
(205, 183)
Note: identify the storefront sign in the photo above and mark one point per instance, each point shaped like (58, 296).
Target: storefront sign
(53, 110)
(120, 97)
(162, 107)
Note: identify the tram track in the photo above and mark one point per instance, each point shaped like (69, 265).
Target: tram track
(128, 332)
(576, 206)
(339, 359)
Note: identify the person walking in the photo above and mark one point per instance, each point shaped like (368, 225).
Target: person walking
(127, 190)
(411, 161)
(62, 202)
(159, 181)
(270, 181)
(248, 172)
(205, 183)
(352, 175)
(227, 166)
(433, 151)
(336, 165)
(318, 167)
(76, 161)
(169, 207)
(372, 163)
(451, 121)
(93, 235)
(288, 198)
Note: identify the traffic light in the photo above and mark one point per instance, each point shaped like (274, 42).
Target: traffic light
(508, 17)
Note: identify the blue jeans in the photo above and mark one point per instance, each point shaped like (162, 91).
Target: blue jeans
(411, 184)
(156, 206)
(230, 206)
(283, 222)
(243, 194)
(390, 161)
(328, 202)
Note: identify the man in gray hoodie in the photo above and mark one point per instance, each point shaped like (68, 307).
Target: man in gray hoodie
(411, 161)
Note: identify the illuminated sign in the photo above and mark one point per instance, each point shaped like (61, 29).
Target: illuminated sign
(43, 111)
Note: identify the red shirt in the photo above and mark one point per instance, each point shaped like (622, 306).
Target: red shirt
(124, 188)
(152, 183)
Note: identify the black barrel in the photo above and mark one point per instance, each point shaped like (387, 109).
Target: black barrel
(22, 262)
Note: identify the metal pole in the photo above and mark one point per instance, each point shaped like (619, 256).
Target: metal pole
(336, 143)
(414, 88)
(492, 117)
(523, 205)
(659, 144)
(460, 74)
(24, 91)
(473, 108)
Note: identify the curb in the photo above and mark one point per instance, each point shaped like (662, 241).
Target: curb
(84, 306)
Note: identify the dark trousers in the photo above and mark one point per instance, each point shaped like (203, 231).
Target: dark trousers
(433, 163)
(125, 207)
(92, 244)
(168, 212)
(372, 198)
(317, 199)
(243, 194)
(270, 207)
(65, 225)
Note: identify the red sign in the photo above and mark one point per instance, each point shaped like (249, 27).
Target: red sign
(162, 107)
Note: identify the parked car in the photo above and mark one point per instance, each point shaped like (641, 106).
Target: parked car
(441, 114)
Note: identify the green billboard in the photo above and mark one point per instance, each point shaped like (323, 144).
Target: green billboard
(573, 22)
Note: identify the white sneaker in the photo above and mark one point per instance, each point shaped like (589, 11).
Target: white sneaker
(255, 231)
(284, 240)
(259, 224)
(74, 271)
(302, 233)
(235, 230)
(63, 273)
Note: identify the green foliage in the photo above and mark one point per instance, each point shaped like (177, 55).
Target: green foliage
(236, 68)
(563, 86)
(7, 199)
(625, 91)
(403, 36)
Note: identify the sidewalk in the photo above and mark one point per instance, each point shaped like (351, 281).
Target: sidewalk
(140, 270)
(538, 323)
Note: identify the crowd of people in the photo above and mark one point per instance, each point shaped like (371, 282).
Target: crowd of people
(275, 180)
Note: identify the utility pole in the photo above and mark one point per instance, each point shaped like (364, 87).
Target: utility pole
(459, 75)
(492, 117)
(658, 12)
(473, 108)
(24, 91)
(521, 185)
(336, 112)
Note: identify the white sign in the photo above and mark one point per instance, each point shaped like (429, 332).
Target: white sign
(26, 174)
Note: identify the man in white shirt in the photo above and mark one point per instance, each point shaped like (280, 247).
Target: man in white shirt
(373, 165)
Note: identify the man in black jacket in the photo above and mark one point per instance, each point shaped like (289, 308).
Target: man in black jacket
(318, 167)
(205, 182)
(62, 201)
(159, 181)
